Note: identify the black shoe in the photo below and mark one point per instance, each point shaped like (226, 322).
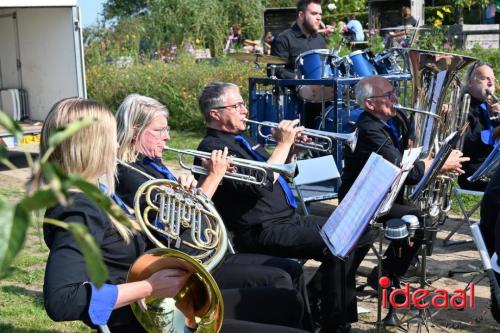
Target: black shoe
(372, 279)
(495, 309)
(346, 328)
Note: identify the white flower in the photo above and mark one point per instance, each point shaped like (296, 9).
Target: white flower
(331, 6)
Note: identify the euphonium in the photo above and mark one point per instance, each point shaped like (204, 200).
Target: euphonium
(436, 86)
(248, 171)
(171, 216)
(322, 140)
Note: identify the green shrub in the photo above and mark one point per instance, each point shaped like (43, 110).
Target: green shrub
(176, 85)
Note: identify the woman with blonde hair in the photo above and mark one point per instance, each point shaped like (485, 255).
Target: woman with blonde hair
(68, 292)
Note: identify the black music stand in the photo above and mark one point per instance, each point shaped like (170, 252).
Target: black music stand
(423, 315)
(342, 231)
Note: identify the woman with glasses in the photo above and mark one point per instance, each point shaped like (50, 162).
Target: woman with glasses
(142, 124)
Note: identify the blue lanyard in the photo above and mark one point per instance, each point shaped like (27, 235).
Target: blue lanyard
(390, 125)
(160, 168)
(489, 123)
(115, 198)
(284, 185)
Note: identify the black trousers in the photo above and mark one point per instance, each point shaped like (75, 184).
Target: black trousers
(244, 270)
(299, 237)
(264, 305)
(254, 274)
(238, 326)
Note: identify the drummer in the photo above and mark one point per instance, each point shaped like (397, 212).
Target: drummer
(301, 37)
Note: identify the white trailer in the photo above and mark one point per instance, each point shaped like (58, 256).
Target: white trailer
(41, 57)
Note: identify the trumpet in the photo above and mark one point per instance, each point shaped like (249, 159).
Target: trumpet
(492, 99)
(407, 109)
(322, 140)
(249, 171)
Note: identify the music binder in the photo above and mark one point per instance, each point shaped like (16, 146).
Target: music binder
(438, 161)
(348, 221)
(489, 164)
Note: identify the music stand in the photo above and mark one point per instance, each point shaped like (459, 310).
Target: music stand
(489, 164)
(423, 315)
(361, 207)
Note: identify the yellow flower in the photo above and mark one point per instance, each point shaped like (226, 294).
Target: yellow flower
(438, 13)
(197, 41)
(446, 9)
(438, 23)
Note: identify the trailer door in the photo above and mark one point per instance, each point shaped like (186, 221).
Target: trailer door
(10, 65)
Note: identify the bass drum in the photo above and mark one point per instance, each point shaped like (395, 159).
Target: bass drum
(315, 65)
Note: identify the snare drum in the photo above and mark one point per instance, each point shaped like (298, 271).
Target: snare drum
(314, 65)
(361, 64)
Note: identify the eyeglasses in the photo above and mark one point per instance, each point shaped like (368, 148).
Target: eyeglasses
(390, 94)
(235, 107)
(162, 131)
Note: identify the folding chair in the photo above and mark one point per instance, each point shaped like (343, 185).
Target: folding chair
(316, 180)
(457, 194)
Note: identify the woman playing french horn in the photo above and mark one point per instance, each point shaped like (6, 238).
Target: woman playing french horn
(269, 283)
(68, 294)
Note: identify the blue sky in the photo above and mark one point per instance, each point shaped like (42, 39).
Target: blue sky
(90, 11)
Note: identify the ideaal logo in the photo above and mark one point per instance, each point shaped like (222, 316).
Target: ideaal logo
(419, 298)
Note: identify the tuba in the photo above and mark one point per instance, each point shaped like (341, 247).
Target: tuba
(171, 216)
(436, 87)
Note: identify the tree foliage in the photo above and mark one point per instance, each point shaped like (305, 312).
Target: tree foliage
(120, 9)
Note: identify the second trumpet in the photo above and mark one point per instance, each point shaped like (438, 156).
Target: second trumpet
(248, 171)
(321, 140)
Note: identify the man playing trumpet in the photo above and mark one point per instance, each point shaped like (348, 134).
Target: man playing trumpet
(479, 142)
(263, 219)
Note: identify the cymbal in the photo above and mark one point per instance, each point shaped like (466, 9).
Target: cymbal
(257, 57)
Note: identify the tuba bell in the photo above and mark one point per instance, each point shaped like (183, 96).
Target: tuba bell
(436, 87)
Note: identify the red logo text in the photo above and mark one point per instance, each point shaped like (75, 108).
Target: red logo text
(423, 298)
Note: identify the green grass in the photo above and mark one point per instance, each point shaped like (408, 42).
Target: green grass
(469, 202)
(21, 299)
(183, 140)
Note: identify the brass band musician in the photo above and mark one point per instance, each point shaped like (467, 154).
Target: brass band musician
(484, 130)
(382, 130)
(265, 219)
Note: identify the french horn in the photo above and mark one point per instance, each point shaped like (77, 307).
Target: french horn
(172, 217)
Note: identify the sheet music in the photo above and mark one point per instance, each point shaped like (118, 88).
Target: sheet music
(488, 165)
(409, 158)
(348, 221)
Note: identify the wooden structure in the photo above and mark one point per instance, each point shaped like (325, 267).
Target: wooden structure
(388, 13)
